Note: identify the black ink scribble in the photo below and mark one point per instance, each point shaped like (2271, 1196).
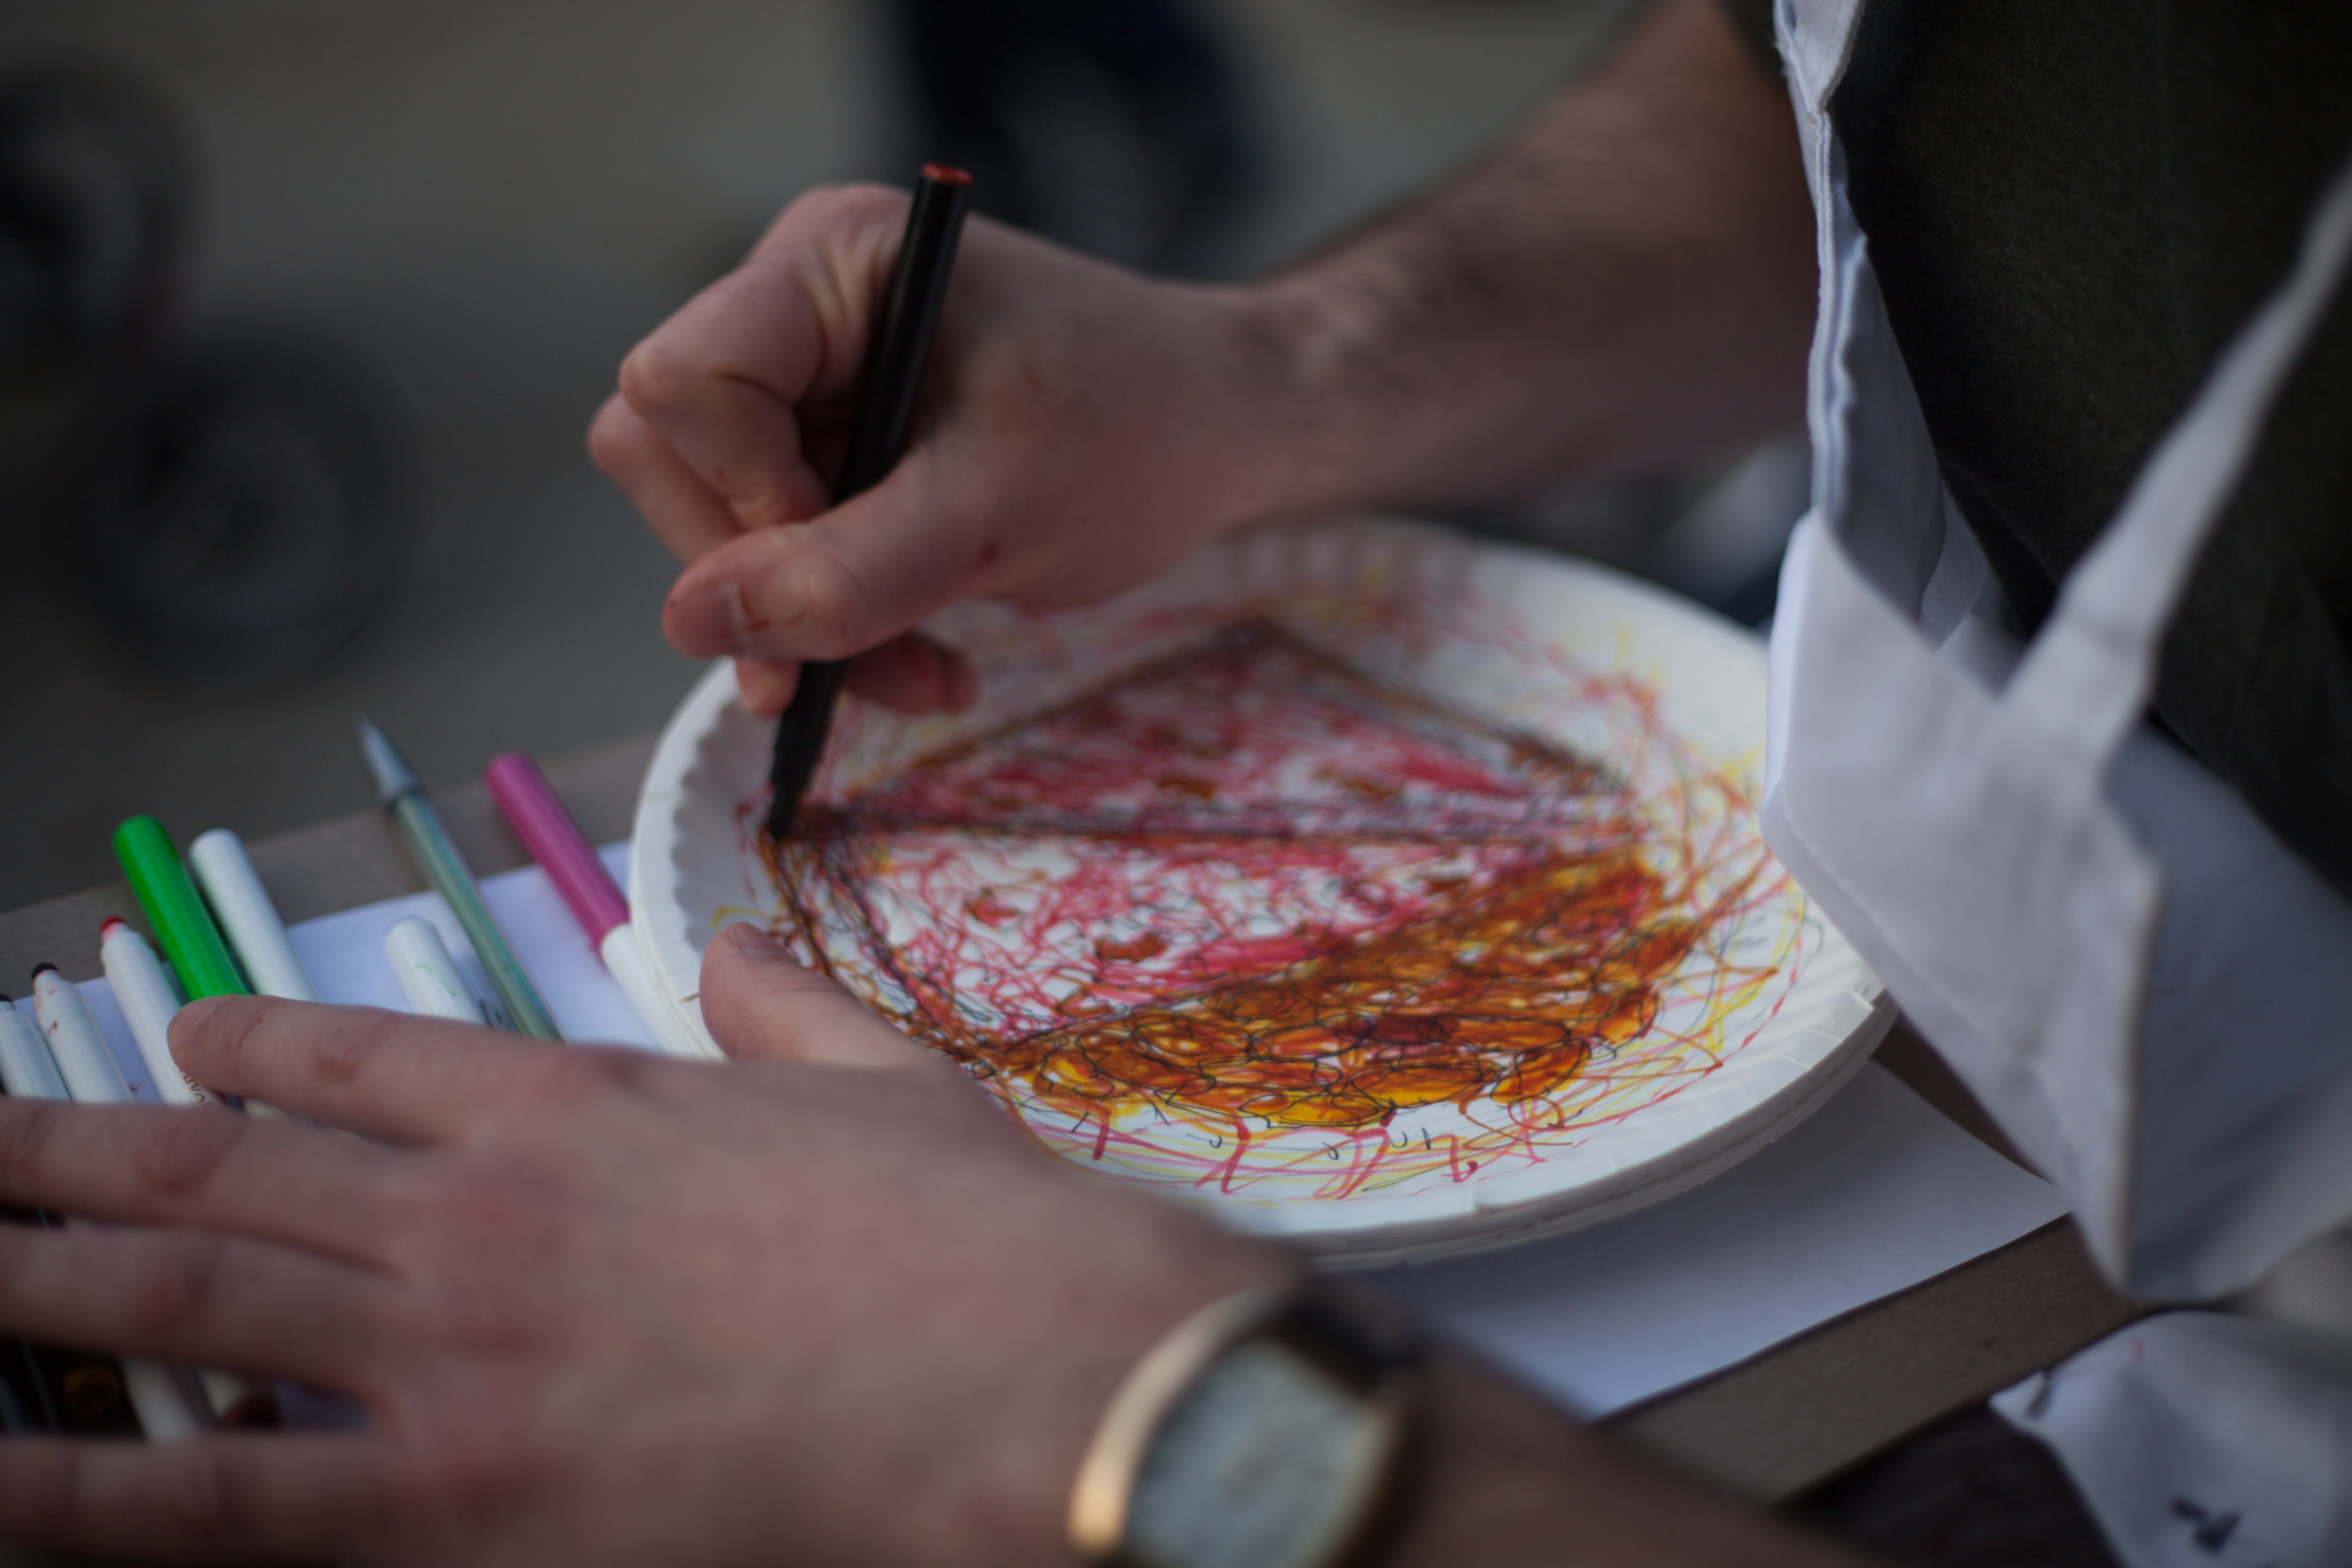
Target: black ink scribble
(2212, 1530)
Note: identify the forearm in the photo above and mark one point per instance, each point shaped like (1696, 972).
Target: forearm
(1500, 1479)
(1629, 284)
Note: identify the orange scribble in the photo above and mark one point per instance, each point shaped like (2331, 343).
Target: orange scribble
(1245, 914)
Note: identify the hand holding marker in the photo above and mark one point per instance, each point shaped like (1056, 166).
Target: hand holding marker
(895, 356)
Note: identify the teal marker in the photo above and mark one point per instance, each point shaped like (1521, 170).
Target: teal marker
(182, 923)
(437, 857)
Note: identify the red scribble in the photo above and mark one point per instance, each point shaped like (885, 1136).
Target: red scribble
(1252, 898)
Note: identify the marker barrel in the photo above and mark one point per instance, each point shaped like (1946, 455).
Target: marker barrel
(532, 809)
(221, 868)
(536, 814)
(428, 976)
(896, 354)
(172, 1408)
(180, 922)
(455, 883)
(145, 995)
(77, 1044)
(625, 959)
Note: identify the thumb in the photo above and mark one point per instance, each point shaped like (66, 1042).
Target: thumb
(911, 674)
(838, 584)
(758, 1003)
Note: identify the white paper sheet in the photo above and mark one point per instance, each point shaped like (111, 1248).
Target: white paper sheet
(1876, 1193)
(345, 953)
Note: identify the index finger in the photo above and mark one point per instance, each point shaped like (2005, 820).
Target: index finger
(147, 1164)
(726, 381)
(389, 1076)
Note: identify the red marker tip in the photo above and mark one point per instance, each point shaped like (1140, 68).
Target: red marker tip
(109, 923)
(946, 174)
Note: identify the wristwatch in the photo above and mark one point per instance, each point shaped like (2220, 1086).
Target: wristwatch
(1263, 1431)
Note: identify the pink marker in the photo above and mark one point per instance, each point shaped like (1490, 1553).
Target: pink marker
(588, 890)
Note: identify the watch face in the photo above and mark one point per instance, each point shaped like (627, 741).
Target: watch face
(1267, 1462)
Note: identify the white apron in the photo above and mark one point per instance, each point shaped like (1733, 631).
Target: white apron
(2139, 980)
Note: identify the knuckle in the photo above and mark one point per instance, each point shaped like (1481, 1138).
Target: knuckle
(180, 1152)
(49, 1491)
(457, 1304)
(835, 611)
(346, 1048)
(213, 1496)
(417, 1196)
(460, 1203)
(473, 1472)
(483, 1322)
(855, 203)
(582, 1077)
(172, 1281)
(17, 1242)
(656, 377)
(613, 437)
(620, 1071)
(27, 1129)
(228, 1029)
(562, 1080)
(472, 1206)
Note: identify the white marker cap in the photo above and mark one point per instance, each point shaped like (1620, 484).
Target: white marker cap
(428, 976)
(148, 1002)
(26, 1070)
(247, 917)
(77, 1044)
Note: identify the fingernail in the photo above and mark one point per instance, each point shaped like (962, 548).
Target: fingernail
(712, 618)
(755, 940)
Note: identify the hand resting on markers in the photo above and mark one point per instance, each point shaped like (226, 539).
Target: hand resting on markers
(825, 1305)
(600, 1306)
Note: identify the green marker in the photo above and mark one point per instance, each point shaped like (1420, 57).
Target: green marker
(183, 925)
(437, 857)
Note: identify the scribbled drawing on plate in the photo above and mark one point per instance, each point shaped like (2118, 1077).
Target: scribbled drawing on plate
(1254, 906)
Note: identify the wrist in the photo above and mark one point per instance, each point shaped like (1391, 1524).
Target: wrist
(1153, 1268)
(1322, 428)
(1498, 1477)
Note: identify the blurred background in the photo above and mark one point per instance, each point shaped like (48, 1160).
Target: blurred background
(305, 306)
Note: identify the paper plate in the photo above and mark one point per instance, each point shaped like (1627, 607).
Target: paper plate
(1391, 893)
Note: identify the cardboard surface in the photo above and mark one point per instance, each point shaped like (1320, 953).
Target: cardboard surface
(1795, 1415)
